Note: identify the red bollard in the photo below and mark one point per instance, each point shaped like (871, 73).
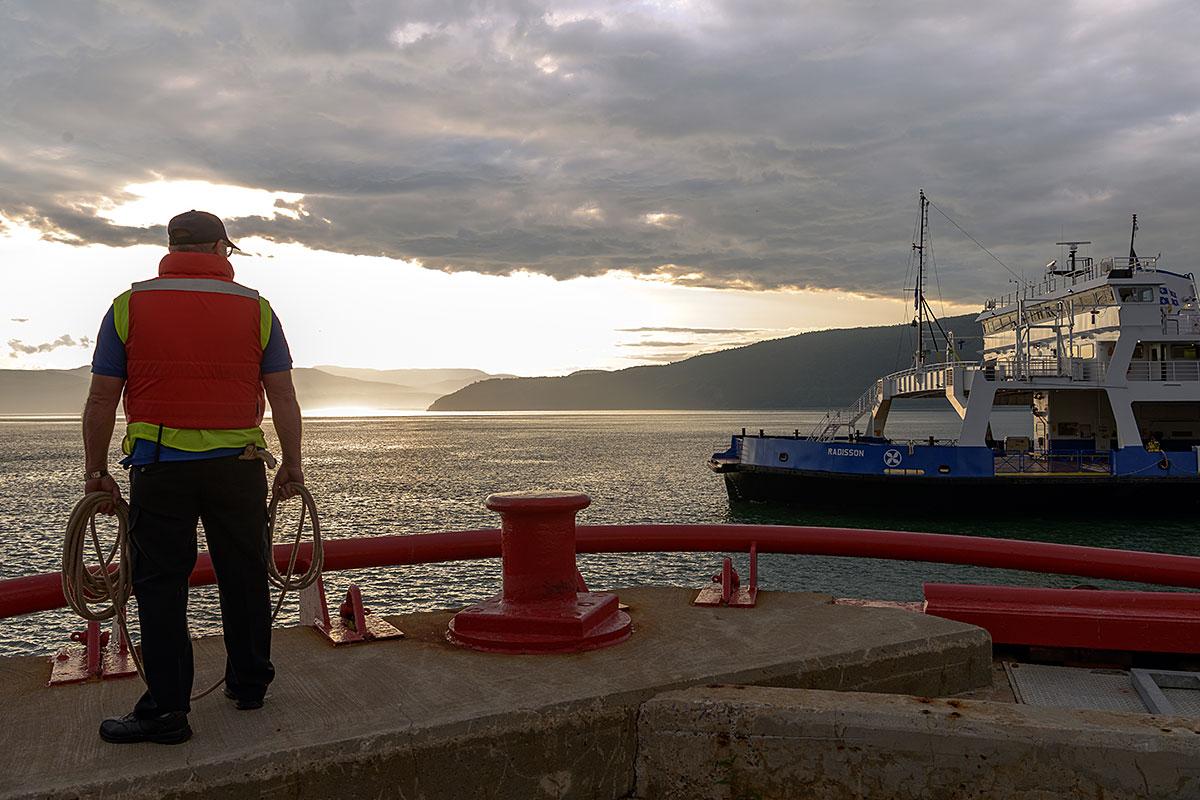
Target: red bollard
(540, 609)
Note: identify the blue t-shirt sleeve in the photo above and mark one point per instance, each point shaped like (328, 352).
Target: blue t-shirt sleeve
(276, 356)
(109, 358)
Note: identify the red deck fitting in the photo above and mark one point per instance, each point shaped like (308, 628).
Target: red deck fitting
(353, 623)
(1152, 622)
(94, 657)
(541, 608)
(728, 590)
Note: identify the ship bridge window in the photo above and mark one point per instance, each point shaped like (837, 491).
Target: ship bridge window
(1183, 352)
(1136, 294)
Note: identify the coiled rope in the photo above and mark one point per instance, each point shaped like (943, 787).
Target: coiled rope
(108, 583)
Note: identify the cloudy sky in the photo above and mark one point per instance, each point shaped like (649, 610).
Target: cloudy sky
(541, 187)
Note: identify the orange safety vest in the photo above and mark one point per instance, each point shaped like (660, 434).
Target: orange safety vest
(193, 342)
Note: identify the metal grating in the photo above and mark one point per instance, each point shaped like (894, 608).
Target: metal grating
(1073, 687)
(1186, 701)
(1167, 691)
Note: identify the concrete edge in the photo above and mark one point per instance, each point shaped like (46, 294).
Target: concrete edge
(717, 743)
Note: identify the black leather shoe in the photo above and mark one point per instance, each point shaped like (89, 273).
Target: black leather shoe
(169, 728)
(243, 703)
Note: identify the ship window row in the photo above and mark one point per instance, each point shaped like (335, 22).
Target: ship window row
(1136, 294)
(1165, 352)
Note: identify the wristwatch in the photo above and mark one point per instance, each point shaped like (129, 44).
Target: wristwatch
(91, 476)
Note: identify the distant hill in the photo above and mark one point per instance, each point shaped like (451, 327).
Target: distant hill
(811, 370)
(317, 389)
(43, 391)
(62, 392)
(439, 381)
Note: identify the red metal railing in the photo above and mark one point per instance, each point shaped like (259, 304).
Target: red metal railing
(44, 592)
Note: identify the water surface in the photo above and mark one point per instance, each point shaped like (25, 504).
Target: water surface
(424, 473)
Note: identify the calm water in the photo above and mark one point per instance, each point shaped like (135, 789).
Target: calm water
(411, 475)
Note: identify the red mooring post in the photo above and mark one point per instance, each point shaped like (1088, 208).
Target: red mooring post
(540, 609)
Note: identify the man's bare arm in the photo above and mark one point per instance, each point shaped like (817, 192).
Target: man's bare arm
(99, 418)
(285, 416)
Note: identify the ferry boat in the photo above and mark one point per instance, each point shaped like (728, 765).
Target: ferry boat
(1102, 351)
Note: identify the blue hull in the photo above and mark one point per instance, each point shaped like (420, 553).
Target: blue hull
(876, 472)
(864, 457)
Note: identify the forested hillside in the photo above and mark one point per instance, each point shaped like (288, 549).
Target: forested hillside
(811, 370)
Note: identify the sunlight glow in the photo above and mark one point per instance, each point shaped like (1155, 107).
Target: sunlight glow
(366, 311)
(589, 213)
(411, 32)
(662, 219)
(156, 202)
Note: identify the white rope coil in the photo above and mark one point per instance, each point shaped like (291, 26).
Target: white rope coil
(107, 581)
(288, 581)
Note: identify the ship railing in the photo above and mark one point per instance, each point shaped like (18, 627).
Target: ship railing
(835, 420)
(819, 431)
(934, 367)
(1172, 371)
(1185, 323)
(1090, 269)
(1085, 370)
(830, 424)
(925, 378)
(1078, 463)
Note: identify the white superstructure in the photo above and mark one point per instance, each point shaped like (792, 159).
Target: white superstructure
(1105, 351)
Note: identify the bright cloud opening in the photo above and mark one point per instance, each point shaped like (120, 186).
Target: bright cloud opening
(588, 213)
(411, 32)
(158, 201)
(662, 219)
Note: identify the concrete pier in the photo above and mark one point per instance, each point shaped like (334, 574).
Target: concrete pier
(724, 743)
(420, 717)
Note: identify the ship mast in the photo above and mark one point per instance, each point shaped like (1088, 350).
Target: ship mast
(924, 317)
(1132, 234)
(919, 293)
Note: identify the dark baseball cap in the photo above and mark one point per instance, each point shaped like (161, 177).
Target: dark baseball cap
(197, 227)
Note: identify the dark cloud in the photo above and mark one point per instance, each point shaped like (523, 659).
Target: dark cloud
(697, 331)
(735, 144)
(19, 319)
(657, 344)
(694, 347)
(661, 358)
(66, 340)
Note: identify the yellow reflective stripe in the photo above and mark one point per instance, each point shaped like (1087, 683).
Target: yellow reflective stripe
(193, 441)
(209, 285)
(121, 314)
(264, 322)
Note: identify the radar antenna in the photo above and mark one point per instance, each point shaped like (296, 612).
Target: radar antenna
(1072, 249)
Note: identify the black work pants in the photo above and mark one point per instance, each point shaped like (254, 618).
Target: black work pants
(166, 501)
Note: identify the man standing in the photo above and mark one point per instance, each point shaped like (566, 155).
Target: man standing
(193, 352)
